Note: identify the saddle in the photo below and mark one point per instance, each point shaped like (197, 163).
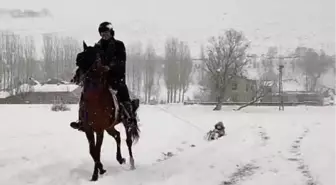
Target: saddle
(119, 112)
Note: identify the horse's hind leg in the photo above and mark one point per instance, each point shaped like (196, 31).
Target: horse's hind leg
(129, 142)
(116, 135)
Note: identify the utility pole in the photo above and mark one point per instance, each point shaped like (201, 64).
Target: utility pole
(281, 102)
(281, 67)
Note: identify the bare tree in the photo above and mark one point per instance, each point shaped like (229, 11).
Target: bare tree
(177, 69)
(70, 48)
(12, 56)
(59, 56)
(48, 55)
(262, 88)
(3, 62)
(30, 58)
(16, 60)
(313, 65)
(171, 68)
(149, 71)
(185, 69)
(159, 73)
(134, 67)
(225, 60)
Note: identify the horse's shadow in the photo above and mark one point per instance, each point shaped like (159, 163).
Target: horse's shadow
(84, 170)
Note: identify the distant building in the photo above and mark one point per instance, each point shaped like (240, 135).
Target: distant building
(49, 92)
(240, 89)
(293, 92)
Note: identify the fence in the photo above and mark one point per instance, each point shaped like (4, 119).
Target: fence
(309, 103)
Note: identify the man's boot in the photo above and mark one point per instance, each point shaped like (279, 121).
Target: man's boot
(77, 125)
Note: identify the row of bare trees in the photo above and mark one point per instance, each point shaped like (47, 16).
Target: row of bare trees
(59, 54)
(19, 61)
(143, 71)
(147, 72)
(224, 59)
(177, 69)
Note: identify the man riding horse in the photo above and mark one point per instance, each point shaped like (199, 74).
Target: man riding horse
(114, 61)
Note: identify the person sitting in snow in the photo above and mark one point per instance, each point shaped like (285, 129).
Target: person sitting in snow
(217, 132)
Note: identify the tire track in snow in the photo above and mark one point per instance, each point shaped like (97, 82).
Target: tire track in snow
(297, 158)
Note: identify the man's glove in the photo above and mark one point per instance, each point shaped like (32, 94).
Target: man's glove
(106, 68)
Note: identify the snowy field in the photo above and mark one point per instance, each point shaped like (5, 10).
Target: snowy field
(262, 147)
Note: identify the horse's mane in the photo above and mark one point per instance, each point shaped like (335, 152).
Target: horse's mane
(84, 61)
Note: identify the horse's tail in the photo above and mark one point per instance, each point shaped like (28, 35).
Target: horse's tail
(134, 127)
(134, 131)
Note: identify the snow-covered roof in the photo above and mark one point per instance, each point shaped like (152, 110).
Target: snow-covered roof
(54, 88)
(47, 88)
(55, 81)
(51, 85)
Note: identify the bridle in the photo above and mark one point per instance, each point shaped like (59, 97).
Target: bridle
(94, 64)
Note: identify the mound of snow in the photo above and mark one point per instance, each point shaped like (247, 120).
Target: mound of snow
(4, 94)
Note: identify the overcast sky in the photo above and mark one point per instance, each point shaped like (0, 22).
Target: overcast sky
(282, 23)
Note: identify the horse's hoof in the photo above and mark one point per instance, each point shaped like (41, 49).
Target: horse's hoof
(122, 161)
(132, 164)
(102, 172)
(94, 178)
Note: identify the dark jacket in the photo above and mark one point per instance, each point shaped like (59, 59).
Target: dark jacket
(115, 57)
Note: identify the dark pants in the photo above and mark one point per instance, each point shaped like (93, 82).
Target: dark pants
(122, 90)
(123, 95)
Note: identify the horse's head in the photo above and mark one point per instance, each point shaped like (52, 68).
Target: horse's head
(89, 62)
(88, 59)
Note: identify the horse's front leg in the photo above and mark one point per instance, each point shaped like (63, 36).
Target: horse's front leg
(98, 164)
(90, 137)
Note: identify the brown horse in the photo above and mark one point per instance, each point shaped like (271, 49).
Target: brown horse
(100, 111)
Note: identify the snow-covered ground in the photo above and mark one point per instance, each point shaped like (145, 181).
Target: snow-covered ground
(263, 146)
